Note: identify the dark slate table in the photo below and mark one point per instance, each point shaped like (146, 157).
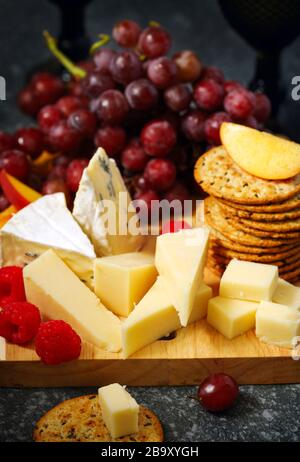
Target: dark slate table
(263, 413)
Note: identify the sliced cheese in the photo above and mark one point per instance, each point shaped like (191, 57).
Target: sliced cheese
(199, 310)
(122, 280)
(44, 224)
(102, 181)
(59, 294)
(249, 281)
(180, 258)
(277, 324)
(2, 349)
(287, 294)
(231, 317)
(120, 410)
(154, 317)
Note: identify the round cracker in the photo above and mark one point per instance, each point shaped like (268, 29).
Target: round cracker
(280, 258)
(216, 220)
(219, 176)
(80, 420)
(218, 238)
(283, 267)
(291, 226)
(290, 204)
(239, 224)
(257, 216)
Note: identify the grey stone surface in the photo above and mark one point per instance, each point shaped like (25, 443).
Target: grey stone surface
(263, 413)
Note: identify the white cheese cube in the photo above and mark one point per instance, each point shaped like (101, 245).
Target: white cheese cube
(287, 294)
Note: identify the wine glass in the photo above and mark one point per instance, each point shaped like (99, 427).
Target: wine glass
(268, 26)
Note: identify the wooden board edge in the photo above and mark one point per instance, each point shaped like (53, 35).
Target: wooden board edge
(148, 372)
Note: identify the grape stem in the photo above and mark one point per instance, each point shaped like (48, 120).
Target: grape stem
(74, 70)
(104, 39)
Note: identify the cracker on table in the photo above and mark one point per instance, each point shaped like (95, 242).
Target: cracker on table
(240, 224)
(288, 205)
(258, 216)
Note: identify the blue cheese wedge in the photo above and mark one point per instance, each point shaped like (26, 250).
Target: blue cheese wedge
(101, 182)
(47, 224)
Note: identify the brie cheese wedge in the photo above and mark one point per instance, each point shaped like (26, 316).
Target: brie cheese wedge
(44, 224)
(102, 183)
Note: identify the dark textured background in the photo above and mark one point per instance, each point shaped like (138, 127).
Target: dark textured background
(263, 413)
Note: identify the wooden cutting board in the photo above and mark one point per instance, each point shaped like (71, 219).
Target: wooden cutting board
(186, 359)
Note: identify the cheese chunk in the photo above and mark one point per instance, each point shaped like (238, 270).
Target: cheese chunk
(120, 410)
(102, 181)
(44, 224)
(199, 310)
(154, 317)
(277, 324)
(231, 317)
(59, 294)
(180, 258)
(246, 280)
(122, 280)
(2, 349)
(287, 294)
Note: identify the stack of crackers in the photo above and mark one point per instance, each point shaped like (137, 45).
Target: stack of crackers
(250, 218)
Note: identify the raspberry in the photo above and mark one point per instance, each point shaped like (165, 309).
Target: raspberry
(11, 285)
(56, 342)
(19, 322)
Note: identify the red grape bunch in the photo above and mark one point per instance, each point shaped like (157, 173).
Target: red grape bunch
(153, 112)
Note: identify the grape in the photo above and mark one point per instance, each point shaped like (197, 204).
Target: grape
(213, 73)
(209, 95)
(58, 171)
(111, 107)
(96, 83)
(177, 192)
(154, 42)
(111, 139)
(145, 201)
(218, 392)
(240, 103)
(48, 116)
(126, 33)
(189, 66)
(178, 97)
(62, 160)
(74, 173)
(262, 109)
(142, 184)
(47, 88)
(7, 141)
(102, 60)
(212, 127)
(28, 102)
(141, 94)
(126, 67)
(4, 202)
(162, 72)
(158, 138)
(88, 66)
(251, 122)
(57, 185)
(68, 104)
(31, 141)
(15, 163)
(64, 138)
(134, 157)
(160, 174)
(230, 85)
(84, 121)
(193, 125)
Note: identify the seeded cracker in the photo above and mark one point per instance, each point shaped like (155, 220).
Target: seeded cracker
(288, 205)
(258, 216)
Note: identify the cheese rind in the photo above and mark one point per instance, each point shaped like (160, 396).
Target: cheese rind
(231, 317)
(43, 224)
(120, 410)
(287, 294)
(2, 349)
(122, 280)
(102, 181)
(152, 318)
(251, 281)
(59, 294)
(277, 324)
(180, 258)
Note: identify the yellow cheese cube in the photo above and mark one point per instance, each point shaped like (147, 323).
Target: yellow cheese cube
(247, 280)
(120, 410)
(287, 294)
(231, 317)
(154, 317)
(277, 324)
(199, 309)
(59, 294)
(122, 280)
